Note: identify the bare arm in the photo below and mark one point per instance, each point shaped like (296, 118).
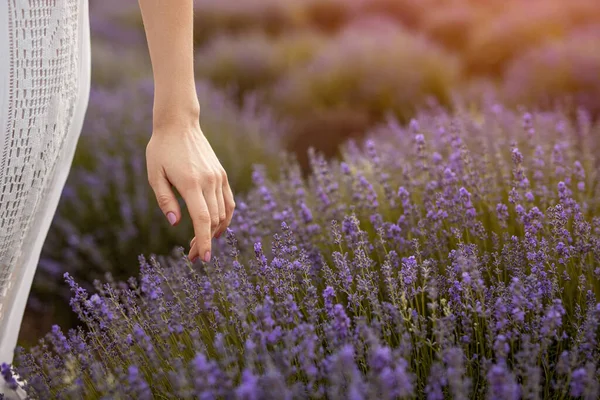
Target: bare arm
(178, 154)
(169, 31)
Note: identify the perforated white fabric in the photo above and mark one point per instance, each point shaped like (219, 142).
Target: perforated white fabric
(44, 88)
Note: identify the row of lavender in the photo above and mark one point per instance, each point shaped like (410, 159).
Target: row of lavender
(335, 67)
(307, 78)
(108, 213)
(458, 257)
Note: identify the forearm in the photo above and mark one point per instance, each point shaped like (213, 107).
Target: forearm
(169, 32)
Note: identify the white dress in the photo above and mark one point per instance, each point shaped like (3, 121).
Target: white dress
(44, 89)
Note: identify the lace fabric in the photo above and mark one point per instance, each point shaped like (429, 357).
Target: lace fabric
(44, 84)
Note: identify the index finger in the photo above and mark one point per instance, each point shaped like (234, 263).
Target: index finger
(198, 210)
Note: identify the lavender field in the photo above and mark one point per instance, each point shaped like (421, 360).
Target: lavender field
(418, 210)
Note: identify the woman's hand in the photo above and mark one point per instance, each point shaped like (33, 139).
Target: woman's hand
(179, 155)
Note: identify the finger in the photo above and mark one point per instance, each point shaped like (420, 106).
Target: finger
(192, 243)
(194, 250)
(166, 199)
(222, 214)
(200, 217)
(213, 209)
(229, 205)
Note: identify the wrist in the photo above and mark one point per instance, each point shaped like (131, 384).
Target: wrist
(176, 113)
(175, 100)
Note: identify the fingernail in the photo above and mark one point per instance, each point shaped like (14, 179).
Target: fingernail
(195, 259)
(218, 235)
(171, 217)
(207, 256)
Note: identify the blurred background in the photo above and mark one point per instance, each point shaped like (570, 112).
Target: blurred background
(281, 76)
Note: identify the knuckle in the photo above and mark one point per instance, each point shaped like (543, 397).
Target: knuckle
(210, 178)
(163, 200)
(223, 174)
(222, 217)
(231, 207)
(186, 182)
(203, 217)
(192, 180)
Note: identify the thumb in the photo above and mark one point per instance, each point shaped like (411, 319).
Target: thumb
(166, 199)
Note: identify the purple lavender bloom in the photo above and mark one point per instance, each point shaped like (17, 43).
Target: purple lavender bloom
(436, 382)
(578, 382)
(396, 380)
(409, 271)
(8, 376)
(502, 384)
(469, 281)
(341, 322)
(329, 296)
(249, 388)
(59, 340)
(306, 213)
(137, 384)
(414, 126)
(584, 382)
(553, 318)
(459, 384)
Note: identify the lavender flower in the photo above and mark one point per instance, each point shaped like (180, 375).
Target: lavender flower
(480, 282)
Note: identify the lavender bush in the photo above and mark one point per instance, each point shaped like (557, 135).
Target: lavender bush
(458, 257)
(564, 70)
(515, 27)
(113, 66)
(409, 13)
(368, 70)
(499, 31)
(307, 80)
(254, 62)
(451, 25)
(107, 23)
(216, 17)
(108, 213)
(391, 70)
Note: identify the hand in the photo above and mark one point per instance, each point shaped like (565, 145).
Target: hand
(179, 155)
